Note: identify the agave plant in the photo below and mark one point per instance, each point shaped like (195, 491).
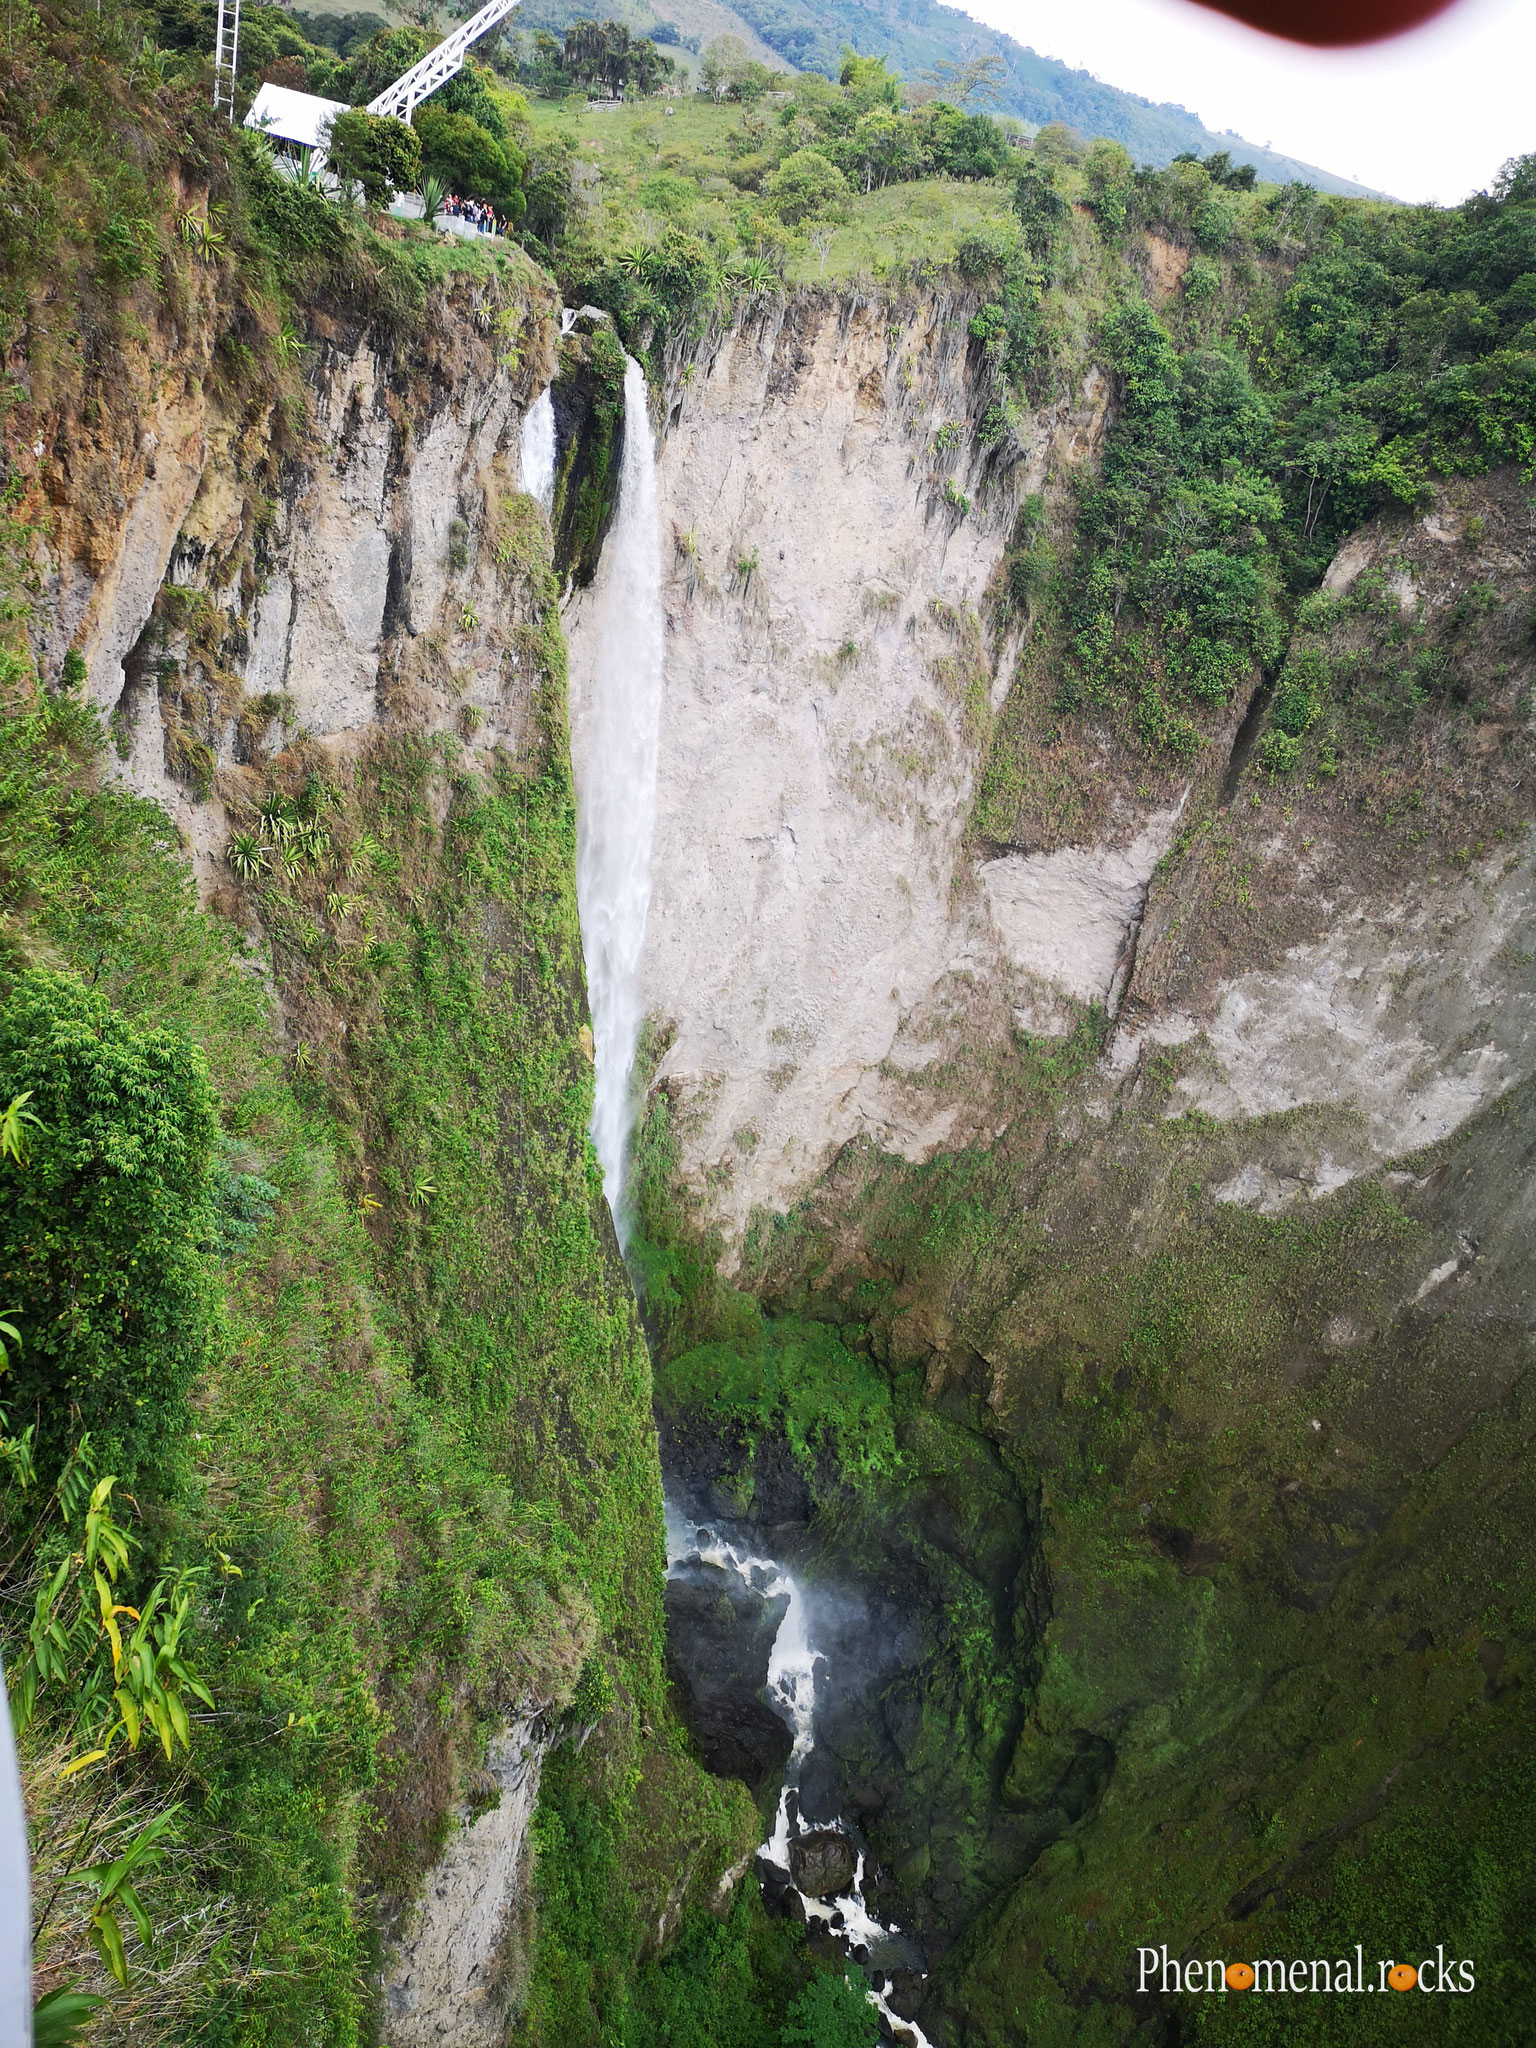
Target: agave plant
(758, 274)
(635, 260)
(312, 843)
(304, 170)
(245, 856)
(276, 817)
(434, 191)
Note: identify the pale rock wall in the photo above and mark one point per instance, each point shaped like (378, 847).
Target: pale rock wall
(824, 940)
(450, 1978)
(815, 936)
(344, 604)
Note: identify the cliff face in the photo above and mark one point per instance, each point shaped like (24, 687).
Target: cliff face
(830, 936)
(321, 630)
(819, 940)
(1177, 1149)
(218, 620)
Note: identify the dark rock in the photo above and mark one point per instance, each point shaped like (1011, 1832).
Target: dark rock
(820, 1788)
(822, 1863)
(719, 1637)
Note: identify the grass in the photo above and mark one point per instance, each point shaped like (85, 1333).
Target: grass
(656, 167)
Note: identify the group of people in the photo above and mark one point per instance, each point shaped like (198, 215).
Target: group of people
(474, 213)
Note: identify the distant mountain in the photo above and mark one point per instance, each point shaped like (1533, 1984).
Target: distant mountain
(915, 34)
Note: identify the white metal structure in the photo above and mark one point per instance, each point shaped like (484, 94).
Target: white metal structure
(305, 118)
(226, 56)
(400, 100)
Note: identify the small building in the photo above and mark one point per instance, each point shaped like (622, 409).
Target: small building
(299, 119)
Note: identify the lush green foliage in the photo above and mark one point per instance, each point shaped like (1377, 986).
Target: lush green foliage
(469, 160)
(792, 1379)
(834, 2012)
(383, 156)
(927, 41)
(395, 1238)
(104, 1229)
(1324, 362)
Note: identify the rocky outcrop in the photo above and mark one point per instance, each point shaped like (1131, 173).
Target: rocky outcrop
(452, 1978)
(229, 602)
(720, 1635)
(833, 956)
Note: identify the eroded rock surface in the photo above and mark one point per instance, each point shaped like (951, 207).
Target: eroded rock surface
(449, 1982)
(815, 937)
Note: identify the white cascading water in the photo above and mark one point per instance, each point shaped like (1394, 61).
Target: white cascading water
(615, 821)
(792, 1688)
(538, 449)
(616, 786)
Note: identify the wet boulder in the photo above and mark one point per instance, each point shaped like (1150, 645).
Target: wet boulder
(822, 1863)
(720, 1634)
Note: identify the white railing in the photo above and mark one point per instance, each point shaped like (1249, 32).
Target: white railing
(400, 100)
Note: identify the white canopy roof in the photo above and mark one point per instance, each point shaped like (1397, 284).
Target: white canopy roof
(292, 116)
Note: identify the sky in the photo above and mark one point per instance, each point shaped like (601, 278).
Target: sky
(1430, 115)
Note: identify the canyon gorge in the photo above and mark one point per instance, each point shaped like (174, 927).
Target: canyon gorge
(866, 1281)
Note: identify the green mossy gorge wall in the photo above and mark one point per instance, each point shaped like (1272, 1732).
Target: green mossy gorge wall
(1275, 1615)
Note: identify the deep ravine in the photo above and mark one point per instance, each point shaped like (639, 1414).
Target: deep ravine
(615, 724)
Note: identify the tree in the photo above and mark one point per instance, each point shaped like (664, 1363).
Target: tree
(831, 2012)
(547, 189)
(978, 78)
(386, 57)
(381, 155)
(867, 82)
(723, 61)
(967, 145)
(104, 1230)
(1039, 206)
(1111, 187)
(806, 186)
(469, 160)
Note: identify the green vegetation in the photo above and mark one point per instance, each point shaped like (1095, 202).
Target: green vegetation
(795, 1380)
(1325, 362)
(959, 57)
(347, 1394)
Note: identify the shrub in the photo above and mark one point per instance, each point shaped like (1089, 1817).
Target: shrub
(383, 156)
(831, 2012)
(1111, 187)
(1279, 753)
(1202, 281)
(806, 186)
(470, 160)
(103, 1228)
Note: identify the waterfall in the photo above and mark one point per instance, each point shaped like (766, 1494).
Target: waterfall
(615, 760)
(792, 1689)
(538, 449)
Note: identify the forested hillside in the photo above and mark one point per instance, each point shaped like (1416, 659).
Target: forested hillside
(918, 38)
